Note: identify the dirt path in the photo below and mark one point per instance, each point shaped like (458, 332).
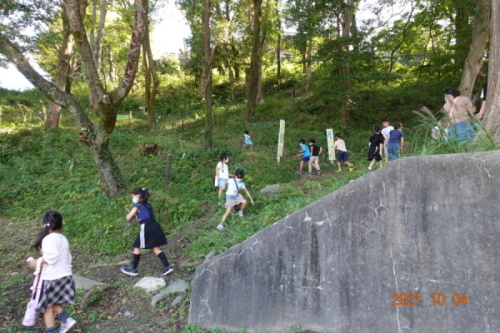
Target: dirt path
(120, 307)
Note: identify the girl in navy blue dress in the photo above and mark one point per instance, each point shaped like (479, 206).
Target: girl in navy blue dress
(151, 235)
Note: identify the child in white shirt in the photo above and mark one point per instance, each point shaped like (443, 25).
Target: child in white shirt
(234, 198)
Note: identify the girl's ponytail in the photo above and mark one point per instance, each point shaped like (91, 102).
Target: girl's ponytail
(51, 221)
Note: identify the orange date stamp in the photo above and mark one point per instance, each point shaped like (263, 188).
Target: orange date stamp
(435, 299)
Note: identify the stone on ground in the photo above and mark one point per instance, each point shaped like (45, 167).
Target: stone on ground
(151, 284)
(177, 286)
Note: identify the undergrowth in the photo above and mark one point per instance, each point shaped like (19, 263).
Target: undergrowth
(49, 169)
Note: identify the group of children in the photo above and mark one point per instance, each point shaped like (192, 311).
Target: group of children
(311, 154)
(388, 141)
(58, 287)
(232, 184)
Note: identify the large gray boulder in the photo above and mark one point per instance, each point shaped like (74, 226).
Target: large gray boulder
(421, 225)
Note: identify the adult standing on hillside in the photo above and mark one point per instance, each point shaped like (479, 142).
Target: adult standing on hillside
(459, 110)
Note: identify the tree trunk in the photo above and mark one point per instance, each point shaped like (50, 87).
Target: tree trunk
(93, 19)
(109, 172)
(100, 35)
(106, 104)
(207, 59)
(345, 69)
(278, 58)
(231, 79)
(480, 35)
(492, 112)
(253, 72)
(462, 29)
(260, 89)
(63, 71)
(309, 62)
(151, 74)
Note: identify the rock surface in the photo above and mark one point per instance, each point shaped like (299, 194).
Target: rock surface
(176, 287)
(84, 283)
(426, 226)
(151, 284)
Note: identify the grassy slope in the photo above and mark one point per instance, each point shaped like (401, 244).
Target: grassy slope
(44, 170)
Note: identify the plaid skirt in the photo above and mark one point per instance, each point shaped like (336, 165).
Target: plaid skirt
(60, 291)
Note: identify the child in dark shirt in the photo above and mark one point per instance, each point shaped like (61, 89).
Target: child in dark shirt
(375, 145)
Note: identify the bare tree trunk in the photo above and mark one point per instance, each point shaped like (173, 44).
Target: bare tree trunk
(100, 35)
(93, 19)
(345, 69)
(278, 58)
(260, 90)
(253, 72)
(63, 71)
(480, 35)
(106, 104)
(111, 67)
(492, 112)
(151, 74)
(231, 78)
(207, 59)
(309, 62)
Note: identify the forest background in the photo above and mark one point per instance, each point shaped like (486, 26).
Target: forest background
(76, 142)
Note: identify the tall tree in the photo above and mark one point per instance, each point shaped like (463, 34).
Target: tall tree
(480, 35)
(492, 112)
(255, 61)
(152, 81)
(63, 72)
(207, 77)
(104, 103)
(346, 22)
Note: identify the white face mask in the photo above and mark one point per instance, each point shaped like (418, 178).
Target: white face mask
(238, 180)
(446, 100)
(134, 200)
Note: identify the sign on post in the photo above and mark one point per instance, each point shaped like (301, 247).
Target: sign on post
(331, 144)
(281, 140)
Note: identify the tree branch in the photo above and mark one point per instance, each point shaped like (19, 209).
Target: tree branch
(50, 90)
(136, 42)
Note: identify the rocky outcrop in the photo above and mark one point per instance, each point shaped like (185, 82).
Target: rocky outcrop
(421, 231)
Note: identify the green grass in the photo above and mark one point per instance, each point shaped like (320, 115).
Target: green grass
(43, 170)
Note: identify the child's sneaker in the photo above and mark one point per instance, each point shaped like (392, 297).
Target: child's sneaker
(130, 270)
(318, 173)
(167, 270)
(298, 171)
(220, 227)
(240, 214)
(66, 326)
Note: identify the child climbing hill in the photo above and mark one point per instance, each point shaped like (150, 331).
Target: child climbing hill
(234, 198)
(151, 235)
